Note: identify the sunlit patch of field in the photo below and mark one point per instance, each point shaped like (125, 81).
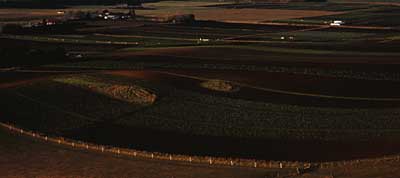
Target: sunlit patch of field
(129, 93)
(256, 15)
(168, 8)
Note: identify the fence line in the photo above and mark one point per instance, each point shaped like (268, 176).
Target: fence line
(233, 162)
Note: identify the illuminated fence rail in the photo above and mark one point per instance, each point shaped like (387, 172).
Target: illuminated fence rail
(194, 159)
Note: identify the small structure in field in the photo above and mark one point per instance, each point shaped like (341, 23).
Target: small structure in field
(181, 19)
(219, 85)
(337, 23)
(203, 40)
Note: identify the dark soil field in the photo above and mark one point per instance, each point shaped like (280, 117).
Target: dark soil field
(213, 133)
(283, 88)
(7, 78)
(298, 83)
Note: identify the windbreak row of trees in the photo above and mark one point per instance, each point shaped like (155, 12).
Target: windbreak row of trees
(61, 3)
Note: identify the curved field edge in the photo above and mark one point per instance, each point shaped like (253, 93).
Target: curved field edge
(233, 162)
(16, 149)
(58, 113)
(206, 113)
(155, 155)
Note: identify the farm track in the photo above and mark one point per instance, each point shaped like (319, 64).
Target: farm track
(228, 40)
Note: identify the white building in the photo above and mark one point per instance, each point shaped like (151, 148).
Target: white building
(337, 23)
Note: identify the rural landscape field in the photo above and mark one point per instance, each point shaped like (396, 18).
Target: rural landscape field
(194, 88)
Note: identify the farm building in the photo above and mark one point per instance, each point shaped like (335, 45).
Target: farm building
(337, 23)
(107, 15)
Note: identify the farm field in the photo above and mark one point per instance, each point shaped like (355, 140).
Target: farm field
(328, 6)
(205, 11)
(258, 81)
(218, 125)
(376, 16)
(58, 161)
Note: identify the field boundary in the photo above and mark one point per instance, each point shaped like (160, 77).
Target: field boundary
(209, 160)
(299, 167)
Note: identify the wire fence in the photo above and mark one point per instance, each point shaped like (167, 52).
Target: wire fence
(233, 162)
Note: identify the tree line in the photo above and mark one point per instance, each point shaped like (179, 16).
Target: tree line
(63, 3)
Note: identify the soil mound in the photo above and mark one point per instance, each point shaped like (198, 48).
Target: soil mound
(219, 85)
(129, 93)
